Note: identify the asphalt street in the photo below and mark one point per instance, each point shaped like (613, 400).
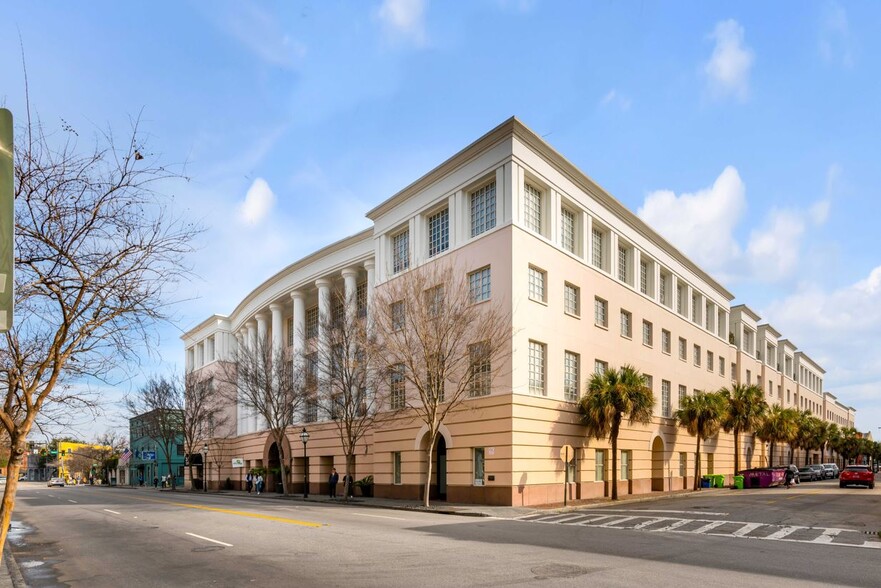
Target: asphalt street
(90, 536)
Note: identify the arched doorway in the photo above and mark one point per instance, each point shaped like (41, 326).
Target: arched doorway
(273, 469)
(657, 465)
(441, 468)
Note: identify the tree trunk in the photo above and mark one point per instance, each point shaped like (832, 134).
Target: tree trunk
(697, 465)
(736, 451)
(283, 472)
(429, 452)
(350, 472)
(614, 439)
(771, 457)
(12, 471)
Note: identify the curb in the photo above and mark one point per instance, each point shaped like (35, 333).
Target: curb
(12, 569)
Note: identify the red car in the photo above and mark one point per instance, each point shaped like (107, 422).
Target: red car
(856, 475)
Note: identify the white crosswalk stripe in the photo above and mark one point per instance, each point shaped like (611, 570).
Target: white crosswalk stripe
(699, 526)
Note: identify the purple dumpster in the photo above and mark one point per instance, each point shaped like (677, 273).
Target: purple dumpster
(763, 477)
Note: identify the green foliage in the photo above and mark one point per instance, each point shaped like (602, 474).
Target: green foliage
(745, 409)
(365, 481)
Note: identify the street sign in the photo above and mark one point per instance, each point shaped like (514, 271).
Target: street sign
(148, 455)
(7, 221)
(238, 462)
(566, 453)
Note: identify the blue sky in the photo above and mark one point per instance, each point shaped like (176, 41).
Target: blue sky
(747, 133)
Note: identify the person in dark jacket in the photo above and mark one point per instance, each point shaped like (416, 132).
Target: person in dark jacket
(333, 481)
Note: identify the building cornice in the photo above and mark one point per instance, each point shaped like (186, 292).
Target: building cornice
(747, 311)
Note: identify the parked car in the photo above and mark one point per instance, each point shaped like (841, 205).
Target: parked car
(821, 472)
(831, 470)
(854, 475)
(57, 482)
(808, 474)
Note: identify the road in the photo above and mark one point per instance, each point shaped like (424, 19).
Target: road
(96, 537)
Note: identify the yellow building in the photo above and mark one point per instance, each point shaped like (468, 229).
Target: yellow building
(76, 459)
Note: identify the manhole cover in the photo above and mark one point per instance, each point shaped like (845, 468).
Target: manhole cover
(553, 570)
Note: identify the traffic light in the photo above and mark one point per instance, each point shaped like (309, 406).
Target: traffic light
(53, 452)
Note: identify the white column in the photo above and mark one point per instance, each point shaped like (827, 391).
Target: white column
(299, 300)
(371, 276)
(277, 327)
(240, 410)
(200, 355)
(323, 286)
(257, 420)
(252, 349)
(350, 277)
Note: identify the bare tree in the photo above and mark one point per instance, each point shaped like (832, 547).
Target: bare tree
(97, 251)
(204, 416)
(109, 446)
(159, 406)
(218, 452)
(261, 378)
(346, 390)
(442, 344)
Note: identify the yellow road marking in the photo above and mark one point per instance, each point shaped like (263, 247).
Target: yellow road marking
(240, 513)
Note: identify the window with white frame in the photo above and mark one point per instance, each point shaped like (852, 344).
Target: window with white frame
(647, 333)
(532, 200)
(710, 316)
(398, 315)
(665, 341)
(721, 366)
(537, 290)
(625, 464)
(697, 355)
(649, 382)
(481, 368)
(434, 301)
(710, 365)
(683, 392)
(401, 252)
(571, 299)
(483, 209)
(361, 299)
(479, 284)
(396, 467)
(666, 408)
(600, 465)
(622, 263)
(681, 300)
(626, 324)
(683, 349)
(749, 377)
(570, 376)
(644, 277)
(600, 312)
(397, 387)
(695, 308)
(439, 232)
(537, 364)
(310, 411)
(311, 322)
(290, 331)
(600, 366)
(663, 285)
(479, 466)
(683, 464)
(567, 229)
(596, 248)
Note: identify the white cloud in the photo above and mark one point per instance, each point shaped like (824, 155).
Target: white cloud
(729, 66)
(701, 223)
(773, 250)
(258, 31)
(404, 18)
(613, 98)
(836, 44)
(258, 202)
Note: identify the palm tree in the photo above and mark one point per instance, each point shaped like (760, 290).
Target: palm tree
(803, 434)
(779, 427)
(701, 415)
(830, 440)
(745, 408)
(848, 444)
(611, 396)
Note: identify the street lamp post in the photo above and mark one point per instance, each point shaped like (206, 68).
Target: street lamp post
(304, 437)
(205, 468)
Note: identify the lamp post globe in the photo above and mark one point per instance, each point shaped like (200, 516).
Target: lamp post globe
(304, 437)
(205, 468)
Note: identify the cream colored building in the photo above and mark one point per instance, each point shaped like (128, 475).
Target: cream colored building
(588, 285)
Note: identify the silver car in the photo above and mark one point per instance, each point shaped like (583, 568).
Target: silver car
(57, 482)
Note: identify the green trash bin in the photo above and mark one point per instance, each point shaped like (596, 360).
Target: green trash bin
(718, 480)
(738, 482)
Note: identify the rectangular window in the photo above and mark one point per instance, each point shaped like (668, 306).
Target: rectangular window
(337, 310)
(626, 324)
(567, 230)
(596, 248)
(311, 411)
(710, 366)
(397, 387)
(532, 198)
(571, 299)
(311, 369)
(683, 349)
(665, 341)
(625, 465)
(721, 366)
(483, 209)
(401, 252)
(439, 232)
(662, 289)
(665, 399)
(622, 263)
(600, 312)
(683, 392)
(649, 382)
(479, 466)
(537, 368)
(644, 277)
(434, 301)
(479, 284)
(600, 366)
(290, 331)
(398, 315)
(180, 449)
(537, 284)
(697, 355)
(749, 377)
(647, 333)
(570, 375)
(312, 322)
(600, 465)
(683, 464)
(571, 467)
(695, 308)
(481, 368)
(396, 467)
(361, 299)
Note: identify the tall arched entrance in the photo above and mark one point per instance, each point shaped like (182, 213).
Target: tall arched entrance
(657, 465)
(441, 468)
(273, 469)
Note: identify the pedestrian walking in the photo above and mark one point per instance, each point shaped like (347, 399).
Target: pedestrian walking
(249, 482)
(333, 481)
(156, 481)
(259, 484)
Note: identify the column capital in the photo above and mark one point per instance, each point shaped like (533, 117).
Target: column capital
(260, 316)
(369, 264)
(298, 295)
(350, 272)
(323, 283)
(276, 307)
